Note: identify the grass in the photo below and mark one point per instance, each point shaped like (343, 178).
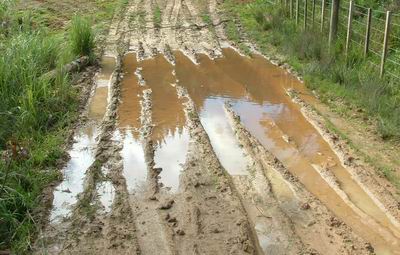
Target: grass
(157, 17)
(81, 37)
(36, 112)
(234, 35)
(206, 19)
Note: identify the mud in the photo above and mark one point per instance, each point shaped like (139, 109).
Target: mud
(197, 149)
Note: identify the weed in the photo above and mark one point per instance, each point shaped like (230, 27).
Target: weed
(157, 17)
(81, 37)
(206, 19)
(234, 35)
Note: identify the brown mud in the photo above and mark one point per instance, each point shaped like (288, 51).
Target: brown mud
(191, 148)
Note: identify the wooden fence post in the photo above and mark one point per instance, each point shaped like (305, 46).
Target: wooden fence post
(286, 6)
(313, 12)
(350, 19)
(305, 14)
(334, 21)
(291, 9)
(322, 15)
(367, 33)
(385, 43)
(297, 12)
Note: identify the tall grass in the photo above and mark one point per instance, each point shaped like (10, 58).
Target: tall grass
(34, 115)
(82, 37)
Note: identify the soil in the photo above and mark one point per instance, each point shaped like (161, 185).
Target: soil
(187, 146)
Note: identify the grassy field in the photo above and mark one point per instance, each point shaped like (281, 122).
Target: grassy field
(35, 111)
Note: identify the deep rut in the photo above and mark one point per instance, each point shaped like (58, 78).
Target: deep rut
(190, 148)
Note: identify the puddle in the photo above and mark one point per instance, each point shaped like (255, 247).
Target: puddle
(170, 155)
(99, 101)
(223, 140)
(135, 167)
(167, 110)
(170, 136)
(210, 88)
(106, 193)
(134, 164)
(256, 89)
(82, 153)
(82, 157)
(129, 109)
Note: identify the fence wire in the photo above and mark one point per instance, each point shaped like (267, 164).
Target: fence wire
(358, 29)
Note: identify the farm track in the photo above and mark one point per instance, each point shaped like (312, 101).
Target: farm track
(156, 177)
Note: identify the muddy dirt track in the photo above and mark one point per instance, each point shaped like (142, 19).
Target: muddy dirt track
(189, 147)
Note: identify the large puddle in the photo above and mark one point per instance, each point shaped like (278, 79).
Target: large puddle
(256, 89)
(170, 136)
(129, 111)
(215, 121)
(82, 152)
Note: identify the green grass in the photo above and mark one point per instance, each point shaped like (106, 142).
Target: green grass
(157, 17)
(234, 35)
(35, 112)
(81, 37)
(206, 19)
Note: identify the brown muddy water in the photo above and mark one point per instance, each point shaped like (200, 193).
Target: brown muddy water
(256, 91)
(169, 137)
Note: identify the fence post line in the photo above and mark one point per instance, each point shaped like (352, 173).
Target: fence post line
(291, 9)
(286, 6)
(297, 12)
(313, 12)
(305, 14)
(385, 43)
(350, 19)
(322, 15)
(367, 33)
(334, 21)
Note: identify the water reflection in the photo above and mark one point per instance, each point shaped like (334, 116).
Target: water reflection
(257, 91)
(82, 157)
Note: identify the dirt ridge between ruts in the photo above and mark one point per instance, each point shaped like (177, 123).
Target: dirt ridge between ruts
(365, 179)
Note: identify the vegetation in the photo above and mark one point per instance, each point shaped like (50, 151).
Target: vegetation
(157, 17)
(35, 111)
(81, 37)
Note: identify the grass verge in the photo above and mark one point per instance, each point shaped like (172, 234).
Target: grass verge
(36, 111)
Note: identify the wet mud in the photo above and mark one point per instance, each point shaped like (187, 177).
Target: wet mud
(190, 148)
(257, 92)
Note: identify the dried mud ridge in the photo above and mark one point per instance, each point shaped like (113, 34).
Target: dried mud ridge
(155, 182)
